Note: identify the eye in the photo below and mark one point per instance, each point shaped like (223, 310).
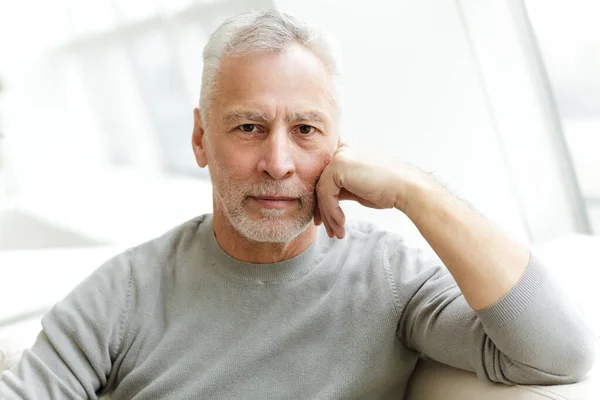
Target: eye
(248, 128)
(306, 129)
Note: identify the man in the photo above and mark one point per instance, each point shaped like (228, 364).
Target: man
(259, 301)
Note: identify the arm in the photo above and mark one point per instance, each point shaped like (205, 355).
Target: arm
(529, 330)
(533, 335)
(485, 262)
(74, 354)
(497, 313)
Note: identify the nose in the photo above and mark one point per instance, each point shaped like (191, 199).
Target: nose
(276, 159)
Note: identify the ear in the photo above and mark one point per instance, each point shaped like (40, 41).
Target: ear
(198, 140)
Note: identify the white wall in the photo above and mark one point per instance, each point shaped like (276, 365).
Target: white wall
(412, 90)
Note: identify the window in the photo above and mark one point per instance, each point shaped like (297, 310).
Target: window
(129, 71)
(568, 36)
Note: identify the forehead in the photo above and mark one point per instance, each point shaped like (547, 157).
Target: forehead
(289, 81)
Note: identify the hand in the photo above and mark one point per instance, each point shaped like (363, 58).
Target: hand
(369, 179)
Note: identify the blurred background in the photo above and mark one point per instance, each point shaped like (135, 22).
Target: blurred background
(499, 99)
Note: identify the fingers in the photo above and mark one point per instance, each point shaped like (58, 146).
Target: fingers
(340, 221)
(330, 212)
(317, 215)
(328, 227)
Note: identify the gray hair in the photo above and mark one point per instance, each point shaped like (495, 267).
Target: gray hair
(268, 31)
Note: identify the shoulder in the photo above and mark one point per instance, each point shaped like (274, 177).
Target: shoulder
(391, 247)
(366, 241)
(178, 239)
(368, 232)
(144, 265)
(150, 259)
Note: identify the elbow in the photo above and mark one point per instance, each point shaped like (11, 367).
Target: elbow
(560, 365)
(575, 361)
(581, 360)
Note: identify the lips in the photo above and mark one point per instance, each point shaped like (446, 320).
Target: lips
(276, 198)
(274, 201)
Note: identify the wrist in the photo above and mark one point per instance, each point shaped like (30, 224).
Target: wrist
(416, 193)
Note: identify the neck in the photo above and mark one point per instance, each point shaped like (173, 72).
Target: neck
(246, 250)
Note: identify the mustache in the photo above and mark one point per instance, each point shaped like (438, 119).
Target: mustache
(279, 188)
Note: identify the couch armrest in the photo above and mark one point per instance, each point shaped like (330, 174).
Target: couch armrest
(434, 381)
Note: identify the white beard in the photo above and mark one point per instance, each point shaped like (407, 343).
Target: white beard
(273, 226)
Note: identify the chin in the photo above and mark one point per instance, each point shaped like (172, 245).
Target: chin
(273, 214)
(271, 229)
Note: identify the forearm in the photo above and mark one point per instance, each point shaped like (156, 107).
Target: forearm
(485, 262)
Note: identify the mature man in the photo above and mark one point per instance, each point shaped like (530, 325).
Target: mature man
(259, 301)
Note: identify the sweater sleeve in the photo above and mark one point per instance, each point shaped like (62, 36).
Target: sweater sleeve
(533, 335)
(73, 356)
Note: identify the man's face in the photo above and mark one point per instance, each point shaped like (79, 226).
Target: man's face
(272, 129)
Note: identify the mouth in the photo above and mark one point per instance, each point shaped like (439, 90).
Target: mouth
(274, 201)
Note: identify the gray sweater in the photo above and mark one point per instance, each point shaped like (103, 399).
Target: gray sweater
(177, 318)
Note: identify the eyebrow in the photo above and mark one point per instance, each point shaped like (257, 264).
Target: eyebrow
(308, 116)
(247, 115)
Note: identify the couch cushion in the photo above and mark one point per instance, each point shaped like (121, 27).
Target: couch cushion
(434, 381)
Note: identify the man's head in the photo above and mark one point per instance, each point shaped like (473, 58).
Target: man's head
(268, 122)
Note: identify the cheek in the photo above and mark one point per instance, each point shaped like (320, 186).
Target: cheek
(310, 167)
(233, 163)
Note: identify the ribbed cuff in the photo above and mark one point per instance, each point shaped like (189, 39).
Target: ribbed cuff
(518, 298)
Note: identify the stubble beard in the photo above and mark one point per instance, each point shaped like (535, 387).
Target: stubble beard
(273, 225)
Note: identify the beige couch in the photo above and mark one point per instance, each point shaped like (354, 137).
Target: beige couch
(434, 381)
